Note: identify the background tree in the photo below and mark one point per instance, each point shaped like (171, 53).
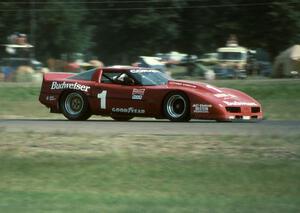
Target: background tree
(13, 18)
(125, 31)
(273, 27)
(62, 29)
(119, 31)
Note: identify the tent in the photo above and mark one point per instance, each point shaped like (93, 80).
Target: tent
(287, 63)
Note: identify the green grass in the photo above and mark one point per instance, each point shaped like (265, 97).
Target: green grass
(46, 172)
(280, 98)
(21, 100)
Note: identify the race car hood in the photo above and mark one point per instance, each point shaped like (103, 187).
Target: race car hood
(224, 96)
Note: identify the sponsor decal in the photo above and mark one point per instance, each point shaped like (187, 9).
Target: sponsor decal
(50, 98)
(76, 86)
(137, 94)
(225, 96)
(201, 108)
(237, 103)
(175, 83)
(142, 71)
(183, 84)
(129, 110)
(242, 117)
(213, 88)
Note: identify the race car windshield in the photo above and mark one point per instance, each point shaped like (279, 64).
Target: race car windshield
(150, 77)
(87, 76)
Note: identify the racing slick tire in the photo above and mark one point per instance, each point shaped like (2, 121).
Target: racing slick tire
(176, 107)
(74, 106)
(121, 118)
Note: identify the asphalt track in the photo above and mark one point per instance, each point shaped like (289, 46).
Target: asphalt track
(151, 126)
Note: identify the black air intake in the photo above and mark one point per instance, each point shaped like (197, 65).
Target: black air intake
(233, 109)
(255, 109)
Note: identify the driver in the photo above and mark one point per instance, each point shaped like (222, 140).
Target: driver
(125, 79)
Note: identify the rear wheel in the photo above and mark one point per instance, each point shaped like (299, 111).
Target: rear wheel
(74, 106)
(176, 107)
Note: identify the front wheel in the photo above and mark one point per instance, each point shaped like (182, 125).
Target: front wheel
(176, 107)
(74, 106)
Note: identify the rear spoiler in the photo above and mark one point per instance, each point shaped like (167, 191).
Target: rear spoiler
(56, 76)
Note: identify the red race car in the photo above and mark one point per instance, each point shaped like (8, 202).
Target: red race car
(126, 92)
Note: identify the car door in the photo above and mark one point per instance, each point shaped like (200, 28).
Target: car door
(114, 97)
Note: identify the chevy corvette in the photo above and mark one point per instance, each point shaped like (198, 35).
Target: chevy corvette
(127, 92)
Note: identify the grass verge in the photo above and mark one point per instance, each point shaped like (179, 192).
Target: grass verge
(21, 100)
(43, 172)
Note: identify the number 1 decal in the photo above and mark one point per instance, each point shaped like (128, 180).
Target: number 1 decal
(102, 97)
